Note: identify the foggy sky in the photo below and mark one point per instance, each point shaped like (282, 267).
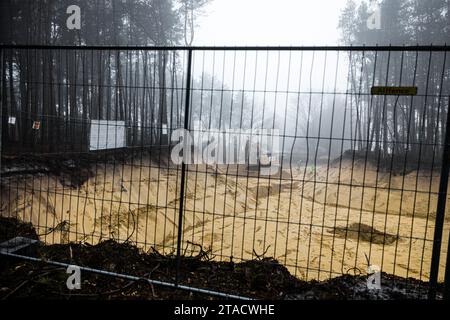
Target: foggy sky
(268, 22)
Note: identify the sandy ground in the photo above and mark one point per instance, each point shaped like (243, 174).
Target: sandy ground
(319, 222)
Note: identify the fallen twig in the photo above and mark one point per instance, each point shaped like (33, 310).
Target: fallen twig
(262, 255)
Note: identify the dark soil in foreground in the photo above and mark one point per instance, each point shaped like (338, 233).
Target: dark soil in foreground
(263, 278)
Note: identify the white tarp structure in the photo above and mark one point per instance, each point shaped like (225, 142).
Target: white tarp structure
(107, 134)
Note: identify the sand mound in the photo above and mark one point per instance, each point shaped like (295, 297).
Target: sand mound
(360, 231)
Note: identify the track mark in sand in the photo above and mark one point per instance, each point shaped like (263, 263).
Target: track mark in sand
(199, 225)
(272, 189)
(357, 231)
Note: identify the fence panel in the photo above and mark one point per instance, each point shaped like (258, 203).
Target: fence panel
(234, 153)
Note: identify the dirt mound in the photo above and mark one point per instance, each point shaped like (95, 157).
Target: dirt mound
(72, 172)
(261, 278)
(10, 228)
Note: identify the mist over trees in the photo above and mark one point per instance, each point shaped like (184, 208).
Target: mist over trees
(326, 119)
(64, 89)
(403, 22)
(401, 125)
(103, 22)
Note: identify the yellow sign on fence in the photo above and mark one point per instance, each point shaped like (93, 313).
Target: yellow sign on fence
(396, 91)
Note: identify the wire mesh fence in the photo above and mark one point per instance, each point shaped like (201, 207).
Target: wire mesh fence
(164, 147)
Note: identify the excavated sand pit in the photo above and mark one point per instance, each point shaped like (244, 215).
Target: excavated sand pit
(319, 222)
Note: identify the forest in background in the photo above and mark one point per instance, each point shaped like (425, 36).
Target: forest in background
(405, 126)
(65, 89)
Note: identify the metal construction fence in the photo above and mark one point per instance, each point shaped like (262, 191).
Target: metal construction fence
(154, 145)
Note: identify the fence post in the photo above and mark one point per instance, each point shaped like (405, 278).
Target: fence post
(440, 215)
(447, 274)
(183, 166)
